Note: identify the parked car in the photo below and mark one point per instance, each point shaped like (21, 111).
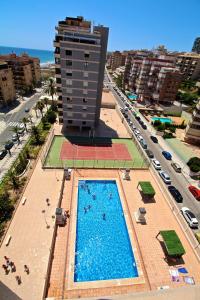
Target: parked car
(165, 177)
(137, 132)
(195, 192)
(143, 144)
(154, 139)
(175, 193)
(125, 116)
(156, 164)
(189, 217)
(139, 137)
(9, 145)
(167, 155)
(149, 153)
(176, 167)
(3, 153)
(14, 137)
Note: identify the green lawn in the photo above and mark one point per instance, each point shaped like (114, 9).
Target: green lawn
(53, 157)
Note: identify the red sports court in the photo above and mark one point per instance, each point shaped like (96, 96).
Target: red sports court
(114, 151)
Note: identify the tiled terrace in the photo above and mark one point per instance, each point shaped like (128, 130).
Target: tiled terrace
(154, 266)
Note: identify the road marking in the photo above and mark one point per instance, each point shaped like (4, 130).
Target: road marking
(2, 126)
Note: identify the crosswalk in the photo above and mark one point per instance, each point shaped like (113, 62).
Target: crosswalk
(2, 126)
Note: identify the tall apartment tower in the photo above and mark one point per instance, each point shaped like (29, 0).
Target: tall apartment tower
(196, 45)
(80, 56)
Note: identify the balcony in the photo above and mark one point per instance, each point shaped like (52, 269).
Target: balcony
(58, 75)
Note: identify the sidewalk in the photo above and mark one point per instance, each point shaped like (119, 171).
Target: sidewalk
(31, 239)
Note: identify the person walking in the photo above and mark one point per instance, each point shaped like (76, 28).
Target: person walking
(18, 279)
(5, 269)
(26, 269)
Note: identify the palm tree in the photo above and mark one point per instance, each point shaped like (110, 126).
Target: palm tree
(45, 101)
(35, 109)
(35, 132)
(40, 106)
(25, 121)
(51, 89)
(15, 129)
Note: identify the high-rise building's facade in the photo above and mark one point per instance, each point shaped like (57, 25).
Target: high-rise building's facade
(196, 45)
(117, 59)
(80, 55)
(26, 70)
(193, 129)
(7, 87)
(189, 65)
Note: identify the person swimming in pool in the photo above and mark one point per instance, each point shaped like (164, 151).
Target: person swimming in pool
(110, 196)
(89, 206)
(85, 209)
(104, 216)
(93, 196)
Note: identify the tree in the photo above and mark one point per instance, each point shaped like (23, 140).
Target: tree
(45, 101)
(36, 134)
(51, 89)
(40, 106)
(6, 207)
(51, 116)
(194, 164)
(25, 121)
(14, 180)
(35, 109)
(15, 129)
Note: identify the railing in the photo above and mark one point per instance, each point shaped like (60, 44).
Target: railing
(47, 146)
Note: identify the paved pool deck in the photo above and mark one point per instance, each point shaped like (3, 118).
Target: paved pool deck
(154, 267)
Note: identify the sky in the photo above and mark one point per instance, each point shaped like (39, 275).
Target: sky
(133, 24)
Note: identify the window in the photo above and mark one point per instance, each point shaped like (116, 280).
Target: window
(86, 55)
(69, 99)
(68, 63)
(68, 52)
(84, 107)
(69, 121)
(84, 115)
(69, 114)
(69, 106)
(69, 82)
(84, 100)
(85, 92)
(86, 64)
(85, 83)
(69, 74)
(83, 122)
(69, 91)
(85, 74)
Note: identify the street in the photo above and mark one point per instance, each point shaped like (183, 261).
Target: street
(178, 180)
(13, 118)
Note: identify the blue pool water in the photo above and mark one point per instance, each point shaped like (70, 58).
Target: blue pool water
(103, 248)
(132, 97)
(163, 120)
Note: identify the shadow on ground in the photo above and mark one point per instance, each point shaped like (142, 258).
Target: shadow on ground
(6, 293)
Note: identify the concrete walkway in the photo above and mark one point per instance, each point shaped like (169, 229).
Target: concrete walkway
(31, 239)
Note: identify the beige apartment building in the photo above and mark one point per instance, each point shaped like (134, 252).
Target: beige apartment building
(80, 55)
(7, 87)
(193, 129)
(154, 78)
(117, 59)
(26, 70)
(189, 65)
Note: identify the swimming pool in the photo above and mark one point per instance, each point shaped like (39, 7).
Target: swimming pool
(103, 249)
(132, 97)
(162, 120)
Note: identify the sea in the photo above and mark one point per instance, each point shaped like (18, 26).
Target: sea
(45, 56)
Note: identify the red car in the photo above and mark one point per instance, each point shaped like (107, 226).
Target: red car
(195, 192)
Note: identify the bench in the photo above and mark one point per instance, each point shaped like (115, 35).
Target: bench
(8, 240)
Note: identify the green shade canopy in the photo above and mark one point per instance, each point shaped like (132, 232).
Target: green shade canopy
(172, 242)
(147, 188)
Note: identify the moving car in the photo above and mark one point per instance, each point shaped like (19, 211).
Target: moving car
(195, 192)
(154, 139)
(176, 167)
(14, 137)
(156, 164)
(167, 155)
(3, 153)
(189, 217)
(175, 193)
(149, 153)
(165, 177)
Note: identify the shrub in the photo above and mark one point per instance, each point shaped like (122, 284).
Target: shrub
(194, 164)
(161, 127)
(51, 116)
(157, 123)
(168, 135)
(6, 207)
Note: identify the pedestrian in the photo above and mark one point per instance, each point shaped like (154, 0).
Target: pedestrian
(18, 278)
(5, 269)
(26, 269)
(12, 266)
(47, 201)
(6, 258)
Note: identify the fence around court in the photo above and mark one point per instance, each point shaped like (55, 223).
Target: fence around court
(47, 146)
